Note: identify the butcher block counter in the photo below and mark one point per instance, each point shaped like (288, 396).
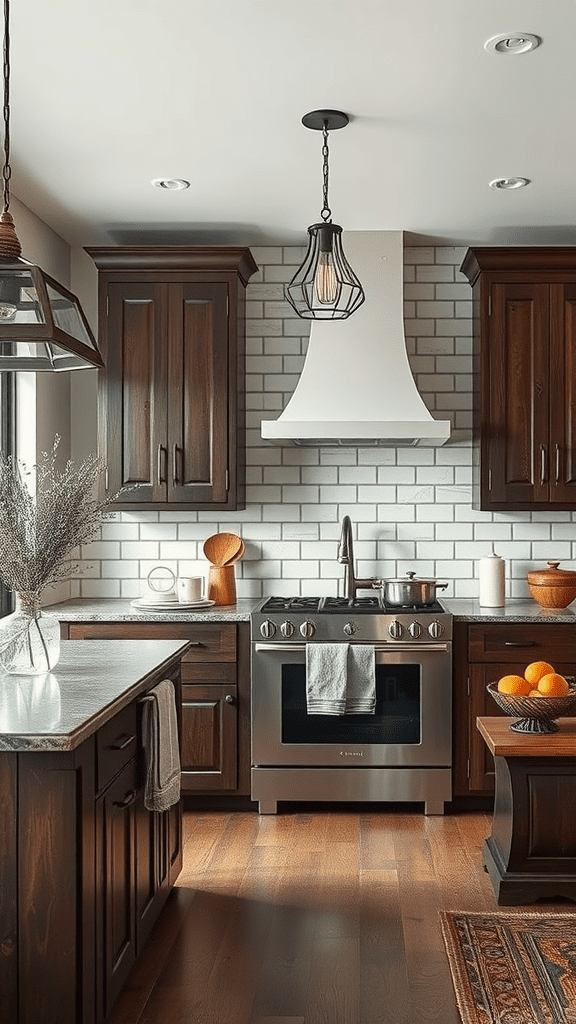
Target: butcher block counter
(85, 868)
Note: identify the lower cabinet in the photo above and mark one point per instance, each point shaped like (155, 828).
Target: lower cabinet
(215, 745)
(483, 653)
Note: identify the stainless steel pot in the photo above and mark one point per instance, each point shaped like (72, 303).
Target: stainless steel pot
(409, 590)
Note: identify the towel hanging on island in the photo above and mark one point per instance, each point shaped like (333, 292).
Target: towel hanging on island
(340, 679)
(160, 742)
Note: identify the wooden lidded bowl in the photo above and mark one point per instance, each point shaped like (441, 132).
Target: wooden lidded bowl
(552, 587)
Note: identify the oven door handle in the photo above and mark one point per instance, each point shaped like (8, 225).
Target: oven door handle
(378, 648)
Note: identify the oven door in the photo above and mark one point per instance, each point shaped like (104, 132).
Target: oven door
(411, 726)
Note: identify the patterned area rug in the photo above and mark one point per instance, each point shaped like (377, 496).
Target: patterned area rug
(513, 968)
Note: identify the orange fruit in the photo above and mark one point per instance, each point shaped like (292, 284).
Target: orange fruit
(536, 670)
(553, 685)
(513, 684)
(535, 693)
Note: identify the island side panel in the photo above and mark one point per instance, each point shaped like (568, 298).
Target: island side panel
(8, 889)
(56, 886)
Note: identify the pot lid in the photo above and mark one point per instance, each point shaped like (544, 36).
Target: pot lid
(552, 576)
(410, 577)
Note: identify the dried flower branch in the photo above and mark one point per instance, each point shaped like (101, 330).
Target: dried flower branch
(39, 533)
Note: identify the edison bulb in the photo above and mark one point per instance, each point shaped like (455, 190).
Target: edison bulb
(325, 280)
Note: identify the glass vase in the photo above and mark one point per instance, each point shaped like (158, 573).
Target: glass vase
(29, 638)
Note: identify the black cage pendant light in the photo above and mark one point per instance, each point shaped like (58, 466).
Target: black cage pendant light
(325, 287)
(42, 325)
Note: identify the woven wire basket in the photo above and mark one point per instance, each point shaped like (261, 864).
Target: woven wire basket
(535, 714)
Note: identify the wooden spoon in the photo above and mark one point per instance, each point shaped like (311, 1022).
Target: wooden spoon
(221, 547)
(237, 556)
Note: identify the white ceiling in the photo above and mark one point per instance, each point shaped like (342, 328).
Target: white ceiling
(108, 94)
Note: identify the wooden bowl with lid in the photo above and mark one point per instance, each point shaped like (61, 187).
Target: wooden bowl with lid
(552, 587)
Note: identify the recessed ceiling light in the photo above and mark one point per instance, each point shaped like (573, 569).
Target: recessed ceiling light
(512, 42)
(509, 183)
(172, 184)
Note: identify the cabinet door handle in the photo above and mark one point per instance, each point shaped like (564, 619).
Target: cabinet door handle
(128, 799)
(175, 451)
(161, 456)
(543, 467)
(121, 744)
(520, 643)
(229, 698)
(557, 463)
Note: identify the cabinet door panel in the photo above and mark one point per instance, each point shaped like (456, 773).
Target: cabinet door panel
(119, 926)
(519, 457)
(563, 393)
(209, 752)
(134, 412)
(198, 392)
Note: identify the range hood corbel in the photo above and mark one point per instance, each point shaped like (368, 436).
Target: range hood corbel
(356, 387)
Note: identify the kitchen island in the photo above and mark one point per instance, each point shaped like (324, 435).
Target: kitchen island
(84, 868)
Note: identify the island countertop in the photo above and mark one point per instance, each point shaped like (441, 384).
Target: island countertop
(93, 680)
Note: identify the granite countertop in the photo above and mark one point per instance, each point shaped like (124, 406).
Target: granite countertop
(120, 610)
(515, 610)
(117, 610)
(93, 681)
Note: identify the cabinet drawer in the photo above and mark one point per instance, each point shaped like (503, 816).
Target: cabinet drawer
(212, 641)
(524, 642)
(116, 744)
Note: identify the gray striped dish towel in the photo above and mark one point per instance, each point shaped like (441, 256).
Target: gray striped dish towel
(160, 742)
(361, 688)
(340, 679)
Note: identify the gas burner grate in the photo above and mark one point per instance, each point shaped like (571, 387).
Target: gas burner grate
(357, 604)
(295, 604)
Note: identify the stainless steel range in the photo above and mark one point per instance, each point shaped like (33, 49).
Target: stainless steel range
(401, 752)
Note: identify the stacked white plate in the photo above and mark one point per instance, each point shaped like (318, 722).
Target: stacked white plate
(165, 605)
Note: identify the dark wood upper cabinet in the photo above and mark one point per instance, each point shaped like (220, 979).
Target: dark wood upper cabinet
(171, 395)
(524, 377)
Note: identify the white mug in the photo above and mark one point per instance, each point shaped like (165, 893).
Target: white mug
(189, 589)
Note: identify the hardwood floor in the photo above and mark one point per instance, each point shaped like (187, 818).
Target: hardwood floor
(324, 917)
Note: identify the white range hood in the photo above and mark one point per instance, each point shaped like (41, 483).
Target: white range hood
(356, 387)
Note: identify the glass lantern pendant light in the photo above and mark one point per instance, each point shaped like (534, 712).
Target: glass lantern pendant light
(325, 287)
(42, 325)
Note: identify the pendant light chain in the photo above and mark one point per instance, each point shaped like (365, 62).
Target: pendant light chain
(326, 212)
(6, 170)
(10, 247)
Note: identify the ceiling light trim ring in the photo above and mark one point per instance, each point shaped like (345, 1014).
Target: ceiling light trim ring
(509, 184)
(170, 184)
(512, 43)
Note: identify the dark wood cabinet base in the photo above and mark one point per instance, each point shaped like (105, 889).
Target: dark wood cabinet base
(531, 853)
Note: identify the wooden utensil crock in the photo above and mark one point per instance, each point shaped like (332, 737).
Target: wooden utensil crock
(222, 584)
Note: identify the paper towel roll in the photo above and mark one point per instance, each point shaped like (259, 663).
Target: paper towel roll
(492, 587)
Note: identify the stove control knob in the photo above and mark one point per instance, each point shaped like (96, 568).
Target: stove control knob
(396, 629)
(415, 630)
(267, 629)
(287, 629)
(307, 629)
(435, 629)
(350, 628)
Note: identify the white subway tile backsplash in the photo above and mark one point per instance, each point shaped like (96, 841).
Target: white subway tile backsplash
(411, 507)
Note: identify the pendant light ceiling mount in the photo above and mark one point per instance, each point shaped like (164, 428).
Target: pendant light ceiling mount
(331, 120)
(325, 287)
(42, 325)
